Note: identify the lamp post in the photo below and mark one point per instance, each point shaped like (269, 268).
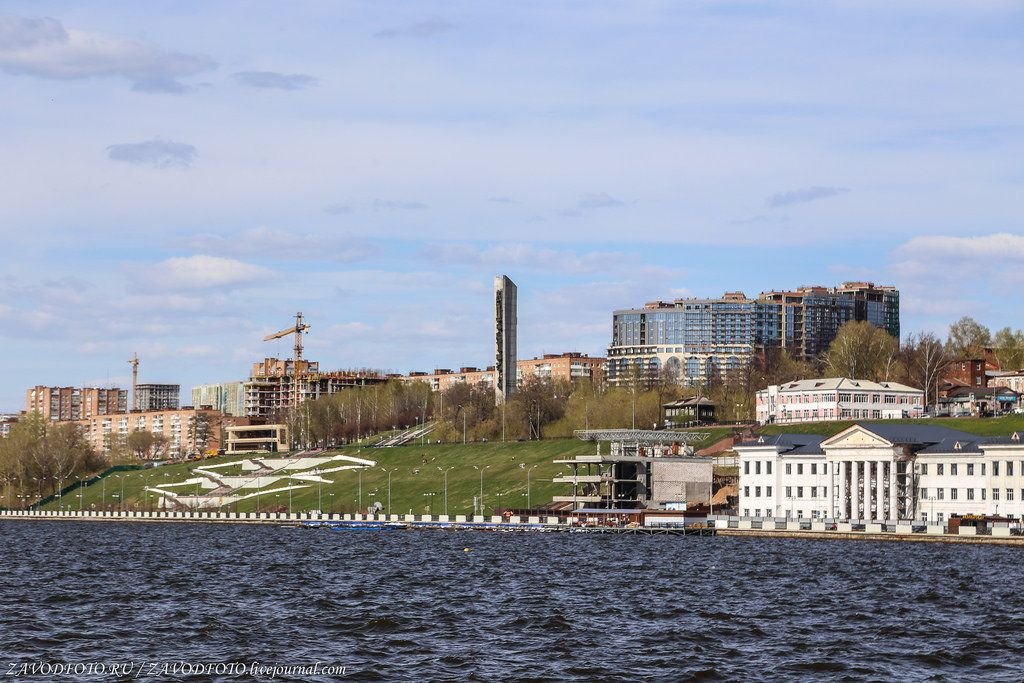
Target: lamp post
(359, 473)
(463, 427)
(481, 500)
(389, 471)
(446, 470)
(529, 505)
(103, 498)
(332, 502)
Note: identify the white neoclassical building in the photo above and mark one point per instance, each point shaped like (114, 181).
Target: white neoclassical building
(882, 472)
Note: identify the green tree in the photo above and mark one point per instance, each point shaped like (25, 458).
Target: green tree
(1009, 348)
(861, 351)
(968, 339)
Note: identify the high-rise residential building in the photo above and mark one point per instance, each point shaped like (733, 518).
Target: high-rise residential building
(74, 403)
(693, 340)
(227, 397)
(505, 312)
(157, 396)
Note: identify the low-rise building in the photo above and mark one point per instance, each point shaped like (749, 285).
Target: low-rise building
(567, 367)
(882, 472)
(837, 398)
(6, 423)
(269, 438)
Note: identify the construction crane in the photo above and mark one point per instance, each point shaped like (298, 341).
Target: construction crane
(297, 329)
(134, 362)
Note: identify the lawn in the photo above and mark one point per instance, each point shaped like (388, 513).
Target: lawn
(417, 479)
(980, 426)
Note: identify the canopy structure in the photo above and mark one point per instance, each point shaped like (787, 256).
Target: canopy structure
(640, 436)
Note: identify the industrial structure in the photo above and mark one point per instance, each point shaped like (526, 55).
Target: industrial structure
(643, 470)
(505, 329)
(694, 340)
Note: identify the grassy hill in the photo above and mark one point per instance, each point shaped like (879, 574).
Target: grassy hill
(417, 483)
(991, 426)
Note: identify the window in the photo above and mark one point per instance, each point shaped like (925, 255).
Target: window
(824, 468)
(814, 468)
(952, 494)
(789, 468)
(799, 468)
(789, 492)
(757, 467)
(799, 491)
(995, 468)
(746, 467)
(1009, 468)
(939, 494)
(922, 494)
(746, 512)
(814, 492)
(995, 494)
(983, 494)
(970, 494)
(768, 467)
(1009, 494)
(970, 469)
(983, 469)
(939, 469)
(924, 468)
(757, 491)
(952, 469)
(768, 491)
(746, 492)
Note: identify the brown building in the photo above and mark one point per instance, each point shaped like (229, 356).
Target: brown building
(187, 430)
(73, 403)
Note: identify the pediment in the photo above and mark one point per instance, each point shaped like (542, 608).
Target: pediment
(856, 436)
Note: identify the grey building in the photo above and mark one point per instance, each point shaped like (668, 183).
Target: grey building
(157, 397)
(505, 312)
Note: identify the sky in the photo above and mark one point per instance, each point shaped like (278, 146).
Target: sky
(180, 178)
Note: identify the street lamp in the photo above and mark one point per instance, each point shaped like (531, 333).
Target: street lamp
(481, 500)
(359, 473)
(389, 471)
(529, 505)
(446, 470)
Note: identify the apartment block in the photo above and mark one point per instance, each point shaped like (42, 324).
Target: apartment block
(227, 397)
(568, 367)
(73, 403)
(187, 430)
(157, 396)
(693, 340)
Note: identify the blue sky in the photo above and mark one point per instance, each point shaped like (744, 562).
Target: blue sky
(179, 178)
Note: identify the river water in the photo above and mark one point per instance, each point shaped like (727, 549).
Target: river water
(416, 605)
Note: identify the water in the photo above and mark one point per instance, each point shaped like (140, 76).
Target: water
(524, 606)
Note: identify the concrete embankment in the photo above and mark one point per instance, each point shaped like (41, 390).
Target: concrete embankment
(1017, 541)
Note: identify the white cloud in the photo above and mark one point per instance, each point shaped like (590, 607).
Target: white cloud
(155, 153)
(803, 195)
(44, 48)
(1001, 246)
(528, 257)
(285, 245)
(198, 272)
(272, 80)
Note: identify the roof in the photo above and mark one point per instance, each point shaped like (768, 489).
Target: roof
(833, 383)
(684, 402)
(791, 444)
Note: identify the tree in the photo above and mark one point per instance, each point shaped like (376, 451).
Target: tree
(1009, 348)
(146, 445)
(924, 358)
(861, 351)
(968, 339)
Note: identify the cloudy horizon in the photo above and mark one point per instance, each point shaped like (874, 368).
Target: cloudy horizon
(179, 182)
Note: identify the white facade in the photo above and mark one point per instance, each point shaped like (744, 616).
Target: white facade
(880, 473)
(837, 398)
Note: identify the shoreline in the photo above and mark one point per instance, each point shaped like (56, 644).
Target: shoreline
(492, 524)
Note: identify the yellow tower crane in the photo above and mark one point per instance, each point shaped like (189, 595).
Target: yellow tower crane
(297, 329)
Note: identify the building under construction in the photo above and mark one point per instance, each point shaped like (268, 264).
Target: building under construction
(274, 386)
(643, 470)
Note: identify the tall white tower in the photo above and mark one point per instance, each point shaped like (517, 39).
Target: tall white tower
(504, 338)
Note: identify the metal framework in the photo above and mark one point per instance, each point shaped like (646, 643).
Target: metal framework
(644, 436)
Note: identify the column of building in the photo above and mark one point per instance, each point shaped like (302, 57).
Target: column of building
(893, 509)
(841, 512)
